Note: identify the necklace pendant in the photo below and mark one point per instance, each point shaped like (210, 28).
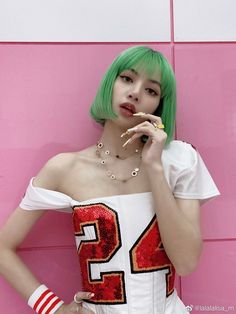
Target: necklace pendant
(135, 172)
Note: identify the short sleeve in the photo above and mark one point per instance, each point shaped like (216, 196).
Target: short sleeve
(37, 198)
(193, 179)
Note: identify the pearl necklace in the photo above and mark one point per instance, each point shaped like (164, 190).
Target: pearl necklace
(109, 173)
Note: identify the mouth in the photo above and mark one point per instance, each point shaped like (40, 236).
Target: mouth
(129, 107)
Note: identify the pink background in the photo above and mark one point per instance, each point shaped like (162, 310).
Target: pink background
(45, 93)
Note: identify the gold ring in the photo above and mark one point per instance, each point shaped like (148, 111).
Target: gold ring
(158, 126)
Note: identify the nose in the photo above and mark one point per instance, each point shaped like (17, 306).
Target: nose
(134, 93)
(133, 97)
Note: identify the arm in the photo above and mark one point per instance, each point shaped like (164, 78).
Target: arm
(16, 229)
(11, 266)
(178, 219)
(179, 223)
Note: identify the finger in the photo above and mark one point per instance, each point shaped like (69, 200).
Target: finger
(145, 123)
(80, 296)
(132, 138)
(159, 126)
(148, 130)
(133, 129)
(148, 123)
(149, 116)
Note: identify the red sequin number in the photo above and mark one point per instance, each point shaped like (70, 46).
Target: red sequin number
(148, 254)
(98, 239)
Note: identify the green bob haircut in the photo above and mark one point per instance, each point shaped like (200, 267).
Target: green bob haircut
(148, 60)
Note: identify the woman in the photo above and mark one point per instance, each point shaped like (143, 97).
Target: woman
(134, 197)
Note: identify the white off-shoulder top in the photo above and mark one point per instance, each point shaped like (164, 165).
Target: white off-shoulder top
(121, 254)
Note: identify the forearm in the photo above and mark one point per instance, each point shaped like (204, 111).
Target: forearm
(181, 240)
(16, 273)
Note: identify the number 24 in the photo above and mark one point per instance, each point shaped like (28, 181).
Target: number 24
(146, 255)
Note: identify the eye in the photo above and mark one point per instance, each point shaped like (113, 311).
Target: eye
(126, 78)
(152, 92)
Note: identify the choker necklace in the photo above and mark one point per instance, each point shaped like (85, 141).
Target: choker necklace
(109, 173)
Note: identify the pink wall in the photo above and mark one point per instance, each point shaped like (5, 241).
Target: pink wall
(206, 76)
(45, 93)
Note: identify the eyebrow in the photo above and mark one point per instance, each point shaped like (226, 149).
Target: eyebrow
(150, 80)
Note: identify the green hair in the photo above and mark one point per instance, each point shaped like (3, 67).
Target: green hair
(151, 61)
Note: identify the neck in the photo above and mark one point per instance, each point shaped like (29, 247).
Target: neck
(113, 142)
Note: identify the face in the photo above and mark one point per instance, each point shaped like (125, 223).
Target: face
(133, 92)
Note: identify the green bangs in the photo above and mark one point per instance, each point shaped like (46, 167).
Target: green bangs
(141, 60)
(149, 61)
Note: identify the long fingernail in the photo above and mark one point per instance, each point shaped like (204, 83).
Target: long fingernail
(126, 142)
(128, 131)
(139, 114)
(90, 295)
(131, 130)
(125, 133)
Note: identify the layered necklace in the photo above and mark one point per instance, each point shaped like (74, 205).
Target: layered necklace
(103, 160)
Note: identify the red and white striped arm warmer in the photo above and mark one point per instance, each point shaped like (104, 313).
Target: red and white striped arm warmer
(44, 301)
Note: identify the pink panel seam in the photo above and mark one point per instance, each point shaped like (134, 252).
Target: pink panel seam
(81, 43)
(53, 247)
(219, 240)
(172, 44)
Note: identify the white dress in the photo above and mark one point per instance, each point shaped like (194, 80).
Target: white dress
(121, 255)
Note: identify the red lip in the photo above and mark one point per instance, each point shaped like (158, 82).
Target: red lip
(128, 106)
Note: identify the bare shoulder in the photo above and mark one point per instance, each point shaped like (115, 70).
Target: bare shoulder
(58, 166)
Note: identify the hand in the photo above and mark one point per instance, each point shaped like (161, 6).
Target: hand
(76, 308)
(152, 150)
